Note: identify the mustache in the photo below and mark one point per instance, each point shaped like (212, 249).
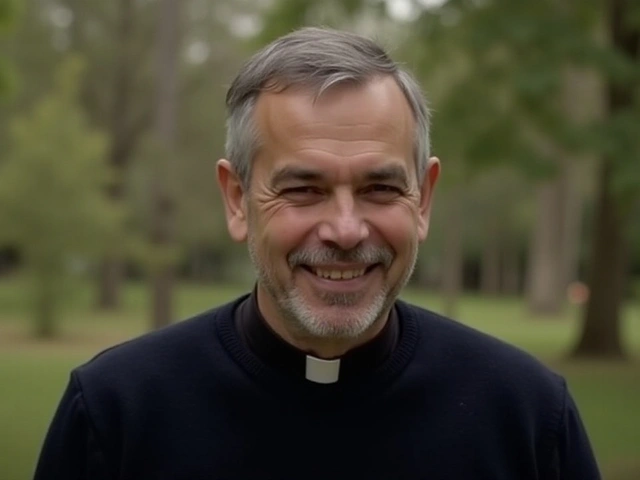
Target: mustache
(320, 256)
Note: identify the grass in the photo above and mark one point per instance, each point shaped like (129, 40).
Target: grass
(33, 373)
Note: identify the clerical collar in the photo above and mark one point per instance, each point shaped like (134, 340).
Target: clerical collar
(279, 354)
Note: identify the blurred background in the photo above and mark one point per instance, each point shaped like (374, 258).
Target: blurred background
(112, 118)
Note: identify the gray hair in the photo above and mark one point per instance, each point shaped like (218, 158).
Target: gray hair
(315, 59)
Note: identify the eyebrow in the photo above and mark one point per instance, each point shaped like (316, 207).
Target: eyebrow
(390, 173)
(289, 173)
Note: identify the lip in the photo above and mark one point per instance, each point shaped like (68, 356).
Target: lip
(341, 286)
(342, 266)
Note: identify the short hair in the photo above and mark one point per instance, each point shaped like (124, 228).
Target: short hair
(316, 59)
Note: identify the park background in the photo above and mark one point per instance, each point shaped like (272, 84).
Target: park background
(111, 224)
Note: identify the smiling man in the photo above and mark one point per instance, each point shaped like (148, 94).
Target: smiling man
(320, 371)
(333, 207)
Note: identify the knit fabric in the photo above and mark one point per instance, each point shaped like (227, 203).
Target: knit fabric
(193, 402)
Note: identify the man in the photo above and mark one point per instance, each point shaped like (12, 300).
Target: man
(320, 372)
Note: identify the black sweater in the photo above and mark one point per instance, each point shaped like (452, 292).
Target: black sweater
(192, 402)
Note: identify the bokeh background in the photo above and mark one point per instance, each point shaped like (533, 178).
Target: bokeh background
(112, 118)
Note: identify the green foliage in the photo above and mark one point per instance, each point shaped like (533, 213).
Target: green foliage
(52, 205)
(288, 15)
(9, 10)
(8, 13)
(285, 16)
(524, 50)
(7, 78)
(198, 220)
(154, 168)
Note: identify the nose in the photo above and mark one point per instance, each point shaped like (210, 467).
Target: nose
(344, 227)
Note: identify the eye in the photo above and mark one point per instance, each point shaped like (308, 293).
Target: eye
(301, 193)
(303, 190)
(382, 189)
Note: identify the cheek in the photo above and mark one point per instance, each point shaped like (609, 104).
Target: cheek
(399, 228)
(285, 231)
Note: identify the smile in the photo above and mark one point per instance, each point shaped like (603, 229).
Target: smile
(339, 274)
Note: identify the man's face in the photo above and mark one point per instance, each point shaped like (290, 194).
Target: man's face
(334, 213)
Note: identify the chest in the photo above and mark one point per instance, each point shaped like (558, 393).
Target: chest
(402, 438)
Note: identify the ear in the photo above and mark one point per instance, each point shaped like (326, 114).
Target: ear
(234, 201)
(426, 195)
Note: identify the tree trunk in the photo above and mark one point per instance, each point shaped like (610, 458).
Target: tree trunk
(45, 303)
(583, 103)
(510, 284)
(453, 256)
(600, 336)
(490, 270)
(112, 268)
(162, 229)
(572, 224)
(545, 292)
(110, 280)
(554, 254)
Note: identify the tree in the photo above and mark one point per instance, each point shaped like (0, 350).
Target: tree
(555, 244)
(32, 55)
(617, 180)
(120, 96)
(51, 203)
(162, 235)
(498, 220)
(522, 53)
(8, 12)
(117, 96)
(124, 133)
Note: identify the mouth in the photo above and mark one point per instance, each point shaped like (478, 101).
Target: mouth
(337, 274)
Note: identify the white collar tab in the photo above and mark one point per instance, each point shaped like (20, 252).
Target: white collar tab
(322, 371)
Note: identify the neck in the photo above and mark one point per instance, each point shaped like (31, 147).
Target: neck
(321, 347)
(330, 348)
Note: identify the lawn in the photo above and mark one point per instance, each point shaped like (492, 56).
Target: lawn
(33, 373)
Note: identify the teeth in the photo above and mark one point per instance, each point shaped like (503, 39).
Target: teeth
(339, 274)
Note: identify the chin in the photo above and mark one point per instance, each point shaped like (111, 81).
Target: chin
(338, 320)
(333, 328)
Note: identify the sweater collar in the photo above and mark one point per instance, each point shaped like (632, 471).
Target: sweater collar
(259, 337)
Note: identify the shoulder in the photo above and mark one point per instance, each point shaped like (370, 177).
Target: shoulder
(157, 354)
(502, 386)
(492, 378)
(478, 357)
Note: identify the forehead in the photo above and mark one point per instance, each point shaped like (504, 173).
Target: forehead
(347, 124)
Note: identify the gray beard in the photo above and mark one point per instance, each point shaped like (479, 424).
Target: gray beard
(338, 321)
